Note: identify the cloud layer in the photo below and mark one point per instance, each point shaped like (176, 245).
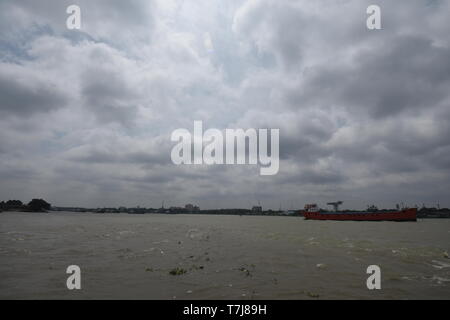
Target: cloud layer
(86, 115)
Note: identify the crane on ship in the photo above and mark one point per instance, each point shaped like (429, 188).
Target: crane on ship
(335, 205)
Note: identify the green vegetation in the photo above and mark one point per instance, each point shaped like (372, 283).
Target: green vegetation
(35, 205)
(177, 271)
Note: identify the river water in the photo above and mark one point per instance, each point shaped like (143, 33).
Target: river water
(125, 256)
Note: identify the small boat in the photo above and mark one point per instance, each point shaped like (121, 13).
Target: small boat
(313, 213)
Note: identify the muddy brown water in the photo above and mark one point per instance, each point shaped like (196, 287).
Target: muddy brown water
(125, 256)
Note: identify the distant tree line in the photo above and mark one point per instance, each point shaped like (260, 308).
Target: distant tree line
(35, 205)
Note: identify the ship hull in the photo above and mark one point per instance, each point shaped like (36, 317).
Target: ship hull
(402, 215)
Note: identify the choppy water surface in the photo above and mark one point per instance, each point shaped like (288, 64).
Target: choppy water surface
(226, 257)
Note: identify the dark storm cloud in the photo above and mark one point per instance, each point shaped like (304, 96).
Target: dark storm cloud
(119, 155)
(105, 90)
(23, 94)
(408, 74)
(15, 173)
(315, 178)
(411, 74)
(155, 178)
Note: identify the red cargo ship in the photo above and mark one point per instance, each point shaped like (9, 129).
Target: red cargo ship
(312, 213)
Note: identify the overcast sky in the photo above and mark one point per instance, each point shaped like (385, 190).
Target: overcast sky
(86, 116)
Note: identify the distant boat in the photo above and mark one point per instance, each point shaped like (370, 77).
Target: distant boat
(312, 213)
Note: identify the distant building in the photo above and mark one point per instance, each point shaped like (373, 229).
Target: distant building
(256, 209)
(191, 208)
(177, 210)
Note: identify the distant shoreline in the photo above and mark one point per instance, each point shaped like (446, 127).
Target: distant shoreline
(224, 212)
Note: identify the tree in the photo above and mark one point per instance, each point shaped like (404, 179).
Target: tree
(14, 203)
(38, 205)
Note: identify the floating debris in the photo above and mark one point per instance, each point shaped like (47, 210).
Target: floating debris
(195, 267)
(247, 272)
(177, 271)
(312, 294)
(149, 269)
(321, 265)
